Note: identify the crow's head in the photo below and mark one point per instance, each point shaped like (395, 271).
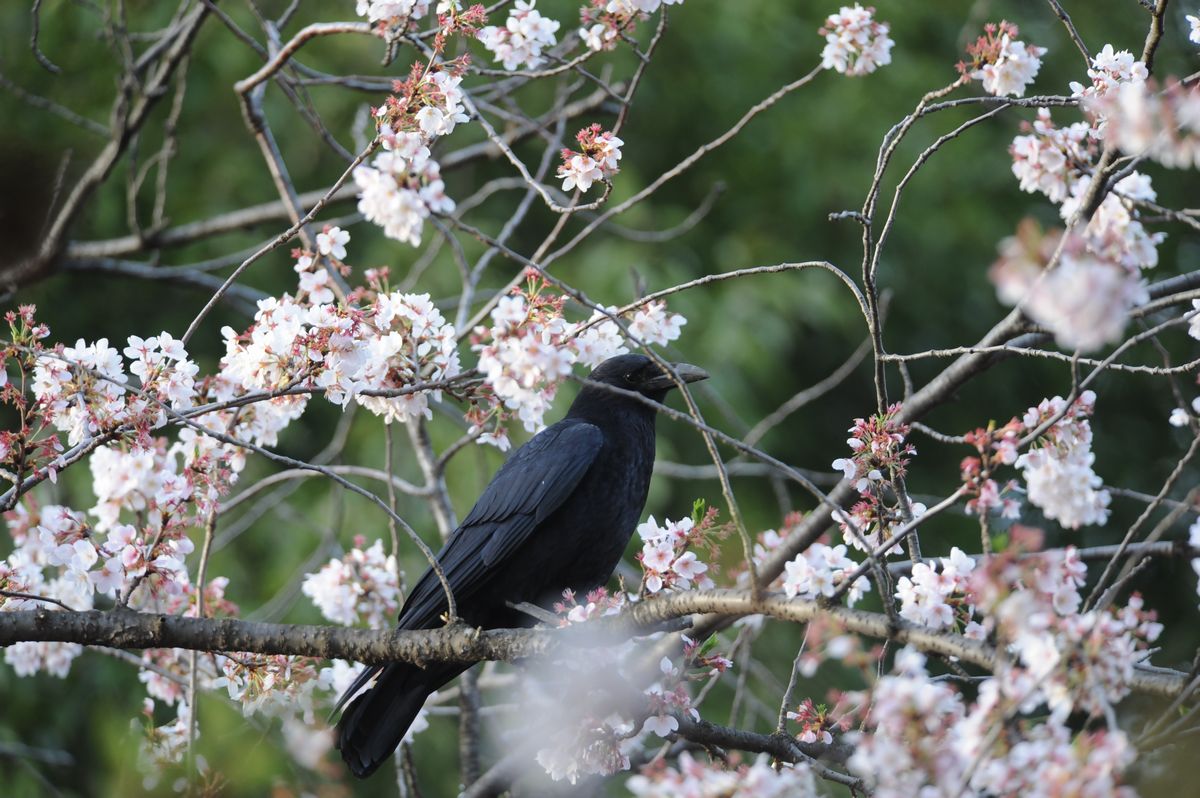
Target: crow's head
(640, 373)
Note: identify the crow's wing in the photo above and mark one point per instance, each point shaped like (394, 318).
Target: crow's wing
(531, 485)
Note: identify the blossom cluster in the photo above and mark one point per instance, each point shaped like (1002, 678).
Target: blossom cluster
(402, 188)
(819, 571)
(605, 21)
(879, 461)
(597, 746)
(530, 347)
(1058, 470)
(1084, 287)
(668, 554)
(667, 699)
(83, 389)
(597, 159)
(937, 598)
(1161, 124)
(60, 555)
(816, 722)
(392, 12)
(1067, 660)
(372, 353)
(995, 447)
(362, 586)
(523, 356)
(526, 33)
(31, 446)
(131, 546)
(162, 745)
(698, 779)
(1005, 65)
(598, 603)
(923, 738)
(403, 185)
(1110, 70)
(271, 684)
(594, 732)
(1051, 159)
(1086, 296)
(855, 42)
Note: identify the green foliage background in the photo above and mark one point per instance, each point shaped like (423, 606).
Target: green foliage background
(763, 338)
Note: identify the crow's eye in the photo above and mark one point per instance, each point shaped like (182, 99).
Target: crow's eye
(629, 377)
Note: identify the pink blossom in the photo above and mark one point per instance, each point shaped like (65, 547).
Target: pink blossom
(579, 171)
(1007, 65)
(525, 34)
(855, 44)
(332, 241)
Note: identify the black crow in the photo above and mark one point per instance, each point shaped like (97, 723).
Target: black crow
(557, 515)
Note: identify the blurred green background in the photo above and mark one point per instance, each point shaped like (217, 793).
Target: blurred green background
(763, 338)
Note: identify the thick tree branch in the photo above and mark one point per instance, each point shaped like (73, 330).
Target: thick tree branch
(124, 629)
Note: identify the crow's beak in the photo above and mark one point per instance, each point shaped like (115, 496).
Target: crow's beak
(686, 371)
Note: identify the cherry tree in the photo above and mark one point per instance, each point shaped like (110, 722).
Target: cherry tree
(1020, 659)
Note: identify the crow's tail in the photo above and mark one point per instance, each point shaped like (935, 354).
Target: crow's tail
(375, 722)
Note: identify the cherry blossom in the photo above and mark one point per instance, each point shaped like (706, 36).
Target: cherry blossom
(652, 324)
(925, 739)
(526, 33)
(819, 571)
(668, 558)
(530, 347)
(29, 658)
(855, 43)
(995, 447)
(1051, 159)
(596, 160)
(401, 189)
(598, 746)
(272, 684)
(526, 356)
(1160, 123)
(332, 241)
(604, 21)
(1066, 660)
(935, 598)
(696, 779)
(1058, 469)
(427, 105)
(411, 342)
(1004, 64)
(579, 171)
(1193, 543)
(391, 11)
(599, 340)
(597, 603)
(81, 389)
(1110, 68)
(816, 722)
(1087, 296)
(360, 587)
(1194, 24)
(163, 745)
(880, 458)
(1180, 417)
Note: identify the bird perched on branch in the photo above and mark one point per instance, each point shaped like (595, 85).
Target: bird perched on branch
(557, 515)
